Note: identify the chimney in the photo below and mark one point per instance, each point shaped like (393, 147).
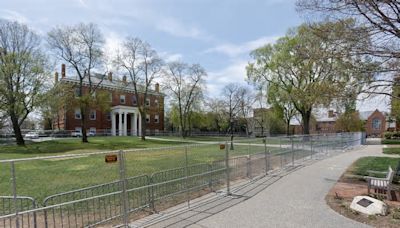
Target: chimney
(330, 114)
(56, 77)
(63, 70)
(157, 88)
(110, 76)
(124, 79)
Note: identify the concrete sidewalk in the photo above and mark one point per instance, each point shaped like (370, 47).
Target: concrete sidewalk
(291, 198)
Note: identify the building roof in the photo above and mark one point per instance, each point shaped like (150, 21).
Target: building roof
(114, 84)
(365, 114)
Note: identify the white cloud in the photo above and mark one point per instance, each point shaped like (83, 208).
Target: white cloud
(174, 27)
(233, 50)
(13, 16)
(168, 57)
(235, 72)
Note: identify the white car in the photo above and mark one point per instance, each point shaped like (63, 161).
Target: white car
(76, 134)
(32, 135)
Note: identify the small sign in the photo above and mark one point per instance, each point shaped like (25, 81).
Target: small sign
(364, 202)
(111, 158)
(221, 146)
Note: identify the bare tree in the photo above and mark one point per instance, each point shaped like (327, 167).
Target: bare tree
(246, 102)
(216, 109)
(81, 47)
(231, 98)
(185, 84)
(22, 73)
(143, 66)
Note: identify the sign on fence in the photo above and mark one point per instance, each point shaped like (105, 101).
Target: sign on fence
(111, 158)
(221, 146)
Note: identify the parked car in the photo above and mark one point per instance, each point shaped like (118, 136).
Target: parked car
(32, 135)
(76, 134)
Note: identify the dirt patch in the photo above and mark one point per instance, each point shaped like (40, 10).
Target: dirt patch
(340, 196)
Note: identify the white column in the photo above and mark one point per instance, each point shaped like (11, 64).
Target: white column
(140, 124)
(120, 124)
(113, 124)
(133, 129)
(125, 123)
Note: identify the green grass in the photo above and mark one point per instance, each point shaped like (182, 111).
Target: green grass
(362, 165)
(390, 141)
(391, 150)
(63, 146)
(41, 178)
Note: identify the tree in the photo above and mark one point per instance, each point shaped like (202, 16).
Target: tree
(349, 122)
(282, 103)
(185, 83)
(81, 47)
(381, 19)
(216, 113)
(246, 102)
(143, 65)
(307, 69)
(23, 73)
(231, 99)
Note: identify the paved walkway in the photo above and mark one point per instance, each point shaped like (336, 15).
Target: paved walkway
(293, 198)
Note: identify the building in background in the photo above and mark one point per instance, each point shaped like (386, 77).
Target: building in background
(123, 118)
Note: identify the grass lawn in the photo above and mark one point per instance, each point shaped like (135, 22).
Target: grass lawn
(66, 146)
(362, 165)
(41, 178)
(391, 150)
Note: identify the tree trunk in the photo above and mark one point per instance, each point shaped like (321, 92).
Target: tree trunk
(83, 123)
(288, 128)
(143, 119)
(306, 116)
(17, 130)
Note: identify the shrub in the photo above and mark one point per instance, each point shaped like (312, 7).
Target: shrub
(396, 135)
(388, 135)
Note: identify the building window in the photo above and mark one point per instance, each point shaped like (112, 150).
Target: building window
(134, 100)
(78, 114)
(77, 92)
(122, 99)
(92, 114)
(94, 94)
(147, 101)
(108, 116)
(110, 96)
(376, 124)
(147, 118)
(156, 119)
(156, 103)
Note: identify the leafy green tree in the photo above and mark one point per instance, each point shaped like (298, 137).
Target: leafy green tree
(308, 69)
(349, 122)
(23, 73)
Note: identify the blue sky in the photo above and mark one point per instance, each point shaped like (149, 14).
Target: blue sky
(216, 34)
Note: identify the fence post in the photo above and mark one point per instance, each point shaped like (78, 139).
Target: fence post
(151, 189)
(210, 181)
(14, 191)
(186, 178)
(228, 187)
(291, 139)
(248, 166)
(311, 149)
(266, 156)
(124, 197)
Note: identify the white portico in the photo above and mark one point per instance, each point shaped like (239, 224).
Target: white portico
(129, 121)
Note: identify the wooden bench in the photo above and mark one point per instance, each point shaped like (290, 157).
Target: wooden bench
(381, 186)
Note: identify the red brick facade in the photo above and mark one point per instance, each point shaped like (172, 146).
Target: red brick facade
(101, 123)
(375, 124)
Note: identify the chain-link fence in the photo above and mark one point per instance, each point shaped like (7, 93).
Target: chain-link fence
(116, 187)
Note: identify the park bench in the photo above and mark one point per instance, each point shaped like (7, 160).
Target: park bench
(381, 186)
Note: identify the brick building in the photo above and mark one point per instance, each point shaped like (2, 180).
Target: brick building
(123, 118)
(375, 123)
